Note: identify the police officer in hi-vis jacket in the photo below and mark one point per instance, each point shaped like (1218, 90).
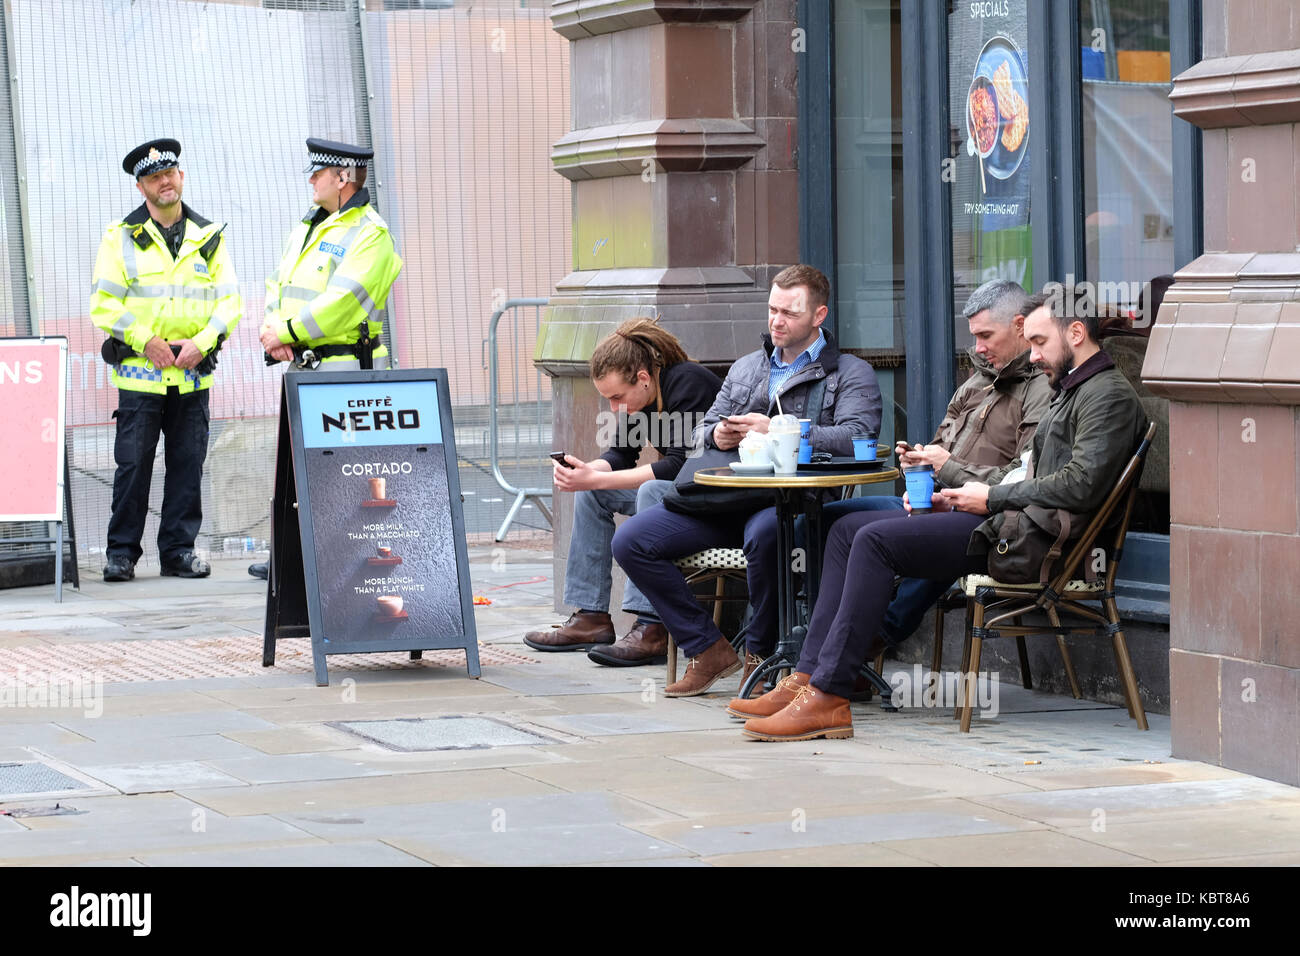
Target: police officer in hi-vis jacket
(165, 292)
(323, 301)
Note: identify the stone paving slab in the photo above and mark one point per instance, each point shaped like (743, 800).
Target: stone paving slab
(1066, 808)
(847, 854)
(554, 846)
(214, 721)
(120, 750)
(799, 827)
(423, 821)
(160, 776)
(299, 739)
(349, 794)
(363, 853)
(1033, 848)
(125, 840)
(287, 768)
(1212, 833)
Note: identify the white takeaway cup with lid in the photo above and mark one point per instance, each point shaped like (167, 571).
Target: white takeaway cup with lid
(783, 431)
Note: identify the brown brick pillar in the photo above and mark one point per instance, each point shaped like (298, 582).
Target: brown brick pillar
(1226, 351)
(685, 192)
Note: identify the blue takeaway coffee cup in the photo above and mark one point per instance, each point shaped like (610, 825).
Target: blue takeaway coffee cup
(920, 487)
(805, 445)
(864, 448)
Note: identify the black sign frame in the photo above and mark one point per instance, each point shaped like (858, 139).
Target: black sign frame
(293, 604)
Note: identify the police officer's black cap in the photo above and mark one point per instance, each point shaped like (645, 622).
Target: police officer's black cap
(152, 157)
(323, 153)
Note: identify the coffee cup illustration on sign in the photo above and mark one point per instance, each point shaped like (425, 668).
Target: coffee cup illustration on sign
(390, 605)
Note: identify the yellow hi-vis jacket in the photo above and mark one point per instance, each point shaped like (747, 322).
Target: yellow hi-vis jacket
(140, 291)
(335, 273)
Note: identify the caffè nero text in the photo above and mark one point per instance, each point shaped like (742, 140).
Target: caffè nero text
(371, 414)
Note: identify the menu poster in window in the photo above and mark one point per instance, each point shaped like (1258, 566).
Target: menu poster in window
(988, 80)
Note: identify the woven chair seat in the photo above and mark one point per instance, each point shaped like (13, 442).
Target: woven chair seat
(713, 558)
(1077, 586)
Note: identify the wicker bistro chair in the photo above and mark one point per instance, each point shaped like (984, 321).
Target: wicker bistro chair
(992, 603)
(712, 564)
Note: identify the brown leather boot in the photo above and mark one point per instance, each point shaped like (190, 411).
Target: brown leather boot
(645, 643)
(705, 669)
(813, 713)
(581, 632)
(772, 702)
(752, 663)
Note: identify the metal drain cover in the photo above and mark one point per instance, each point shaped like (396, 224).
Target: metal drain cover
(441, 733)
(23, 780)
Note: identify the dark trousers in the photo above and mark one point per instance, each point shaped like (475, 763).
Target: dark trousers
(141, 417)
(647, 543)
(915, 596)
(864, 552)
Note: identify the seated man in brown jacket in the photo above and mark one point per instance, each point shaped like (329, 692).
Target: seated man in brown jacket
(989, 422)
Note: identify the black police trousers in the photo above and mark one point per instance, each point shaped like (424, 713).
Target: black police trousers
(141, 417)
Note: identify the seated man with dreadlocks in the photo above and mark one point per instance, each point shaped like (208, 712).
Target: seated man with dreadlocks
(656, 397)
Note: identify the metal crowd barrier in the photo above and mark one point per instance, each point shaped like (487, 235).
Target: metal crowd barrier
(494, 438)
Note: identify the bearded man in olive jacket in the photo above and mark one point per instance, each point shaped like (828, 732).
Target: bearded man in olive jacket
(988, 424)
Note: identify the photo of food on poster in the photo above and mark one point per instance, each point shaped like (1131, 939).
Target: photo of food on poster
(381, 521)
(989, 108)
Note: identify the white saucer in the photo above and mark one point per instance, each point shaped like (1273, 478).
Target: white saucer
(740, 468)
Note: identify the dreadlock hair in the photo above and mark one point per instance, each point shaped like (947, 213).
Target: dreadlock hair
(637, 344)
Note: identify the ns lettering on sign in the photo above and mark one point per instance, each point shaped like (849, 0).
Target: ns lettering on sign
(13, 371)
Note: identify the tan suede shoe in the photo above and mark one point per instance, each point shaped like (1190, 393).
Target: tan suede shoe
(813, 713)
(707, 668)
(772, 702)
(581, 632)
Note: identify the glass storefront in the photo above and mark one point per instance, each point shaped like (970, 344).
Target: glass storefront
(869, 189)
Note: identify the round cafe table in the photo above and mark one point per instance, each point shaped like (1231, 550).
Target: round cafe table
(791, 500)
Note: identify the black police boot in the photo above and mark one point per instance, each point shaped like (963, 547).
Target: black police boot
(187, 564)
(119, 568)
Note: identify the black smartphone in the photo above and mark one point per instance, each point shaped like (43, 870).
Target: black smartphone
(559, 458)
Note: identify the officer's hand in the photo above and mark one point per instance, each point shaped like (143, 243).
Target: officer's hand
(159, 353)
(189, 356)
(270, 339)
(281, 353)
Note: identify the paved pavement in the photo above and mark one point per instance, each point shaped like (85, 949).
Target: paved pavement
(191, 753)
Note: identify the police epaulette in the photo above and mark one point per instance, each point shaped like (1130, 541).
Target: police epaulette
(209, 248)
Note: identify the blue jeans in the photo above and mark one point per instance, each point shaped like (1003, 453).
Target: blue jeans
(141, 417)
(588, 577)
(915, 596)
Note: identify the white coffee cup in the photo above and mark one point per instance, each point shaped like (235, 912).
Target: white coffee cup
(755, 449)
(783, 432)
(390, 604)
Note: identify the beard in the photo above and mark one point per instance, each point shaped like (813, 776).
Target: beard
(1057, 371)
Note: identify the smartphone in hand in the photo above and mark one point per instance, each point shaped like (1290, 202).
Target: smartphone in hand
(559, 459)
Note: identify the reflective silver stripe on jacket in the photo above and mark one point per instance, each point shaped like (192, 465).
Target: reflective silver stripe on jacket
(112, 288)
(310, 324)
(129, 266)
(358, 292)
(200, 293)
(124, 322)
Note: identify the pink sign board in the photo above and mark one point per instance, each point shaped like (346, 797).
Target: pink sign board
(33, 377)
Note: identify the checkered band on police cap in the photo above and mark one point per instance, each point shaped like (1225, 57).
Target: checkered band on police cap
(322, 153)
(152, 157)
